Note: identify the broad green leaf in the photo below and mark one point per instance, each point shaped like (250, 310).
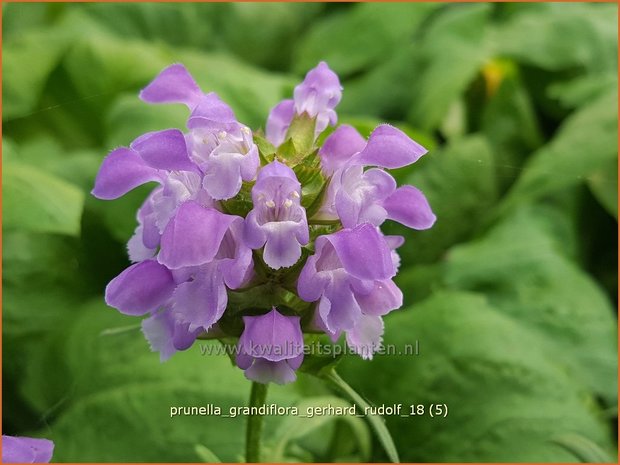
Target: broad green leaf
(39, 202)
(27, 61)
(586, 142)
(368, 94)
(253, 31)
(453, 50)
(510, 124)
(521, 266)
(337, 39)
(120, 393)
(185, 24)
(101, 65)
(583, 89)
(18, 18)
(78, 167)
(507, 397)
(558, 36)
(604, 185)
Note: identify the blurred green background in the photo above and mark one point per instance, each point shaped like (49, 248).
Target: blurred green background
(512, 295)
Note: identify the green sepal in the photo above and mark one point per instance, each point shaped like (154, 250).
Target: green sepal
(240, 204)
(266, 150)
(301, 132)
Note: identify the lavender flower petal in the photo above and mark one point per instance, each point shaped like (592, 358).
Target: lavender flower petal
(173, 85)
(279, 120)
(202, 301)
(140, 289)
(318, 95)
(193, 236)
(167, 336)
(384, 297)
(363, 252)
(164, 150)
(361, 194)
(339, 147)
(213, 113)
(365, 338)
(409, 206)
(121, 171)
(389, 147)
(19, 449)
(271, 347)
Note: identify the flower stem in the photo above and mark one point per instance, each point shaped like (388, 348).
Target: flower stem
(258, 395)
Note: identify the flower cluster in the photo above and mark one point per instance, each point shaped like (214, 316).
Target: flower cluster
(241, 223)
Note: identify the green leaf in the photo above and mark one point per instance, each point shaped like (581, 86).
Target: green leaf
(187, 24)
(205, 454)
(460, 185)
(101, 65)
(521, 266)
(39, 202)
(253, 31)
(337, 39)
(506, 395)
(453, 50)
(27, 61)
(376, 421)
(579, 35)
(510, 124)
(583, 89)
(604, 185)
(294, 428)
(121, 394)
(585, 143)
(129, 117)
(583, 448)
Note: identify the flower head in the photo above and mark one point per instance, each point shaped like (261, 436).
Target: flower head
(271, 347)
(229, 234)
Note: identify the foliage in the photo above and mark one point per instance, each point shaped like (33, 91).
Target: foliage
(511, 295)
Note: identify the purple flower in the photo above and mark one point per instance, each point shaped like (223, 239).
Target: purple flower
(156, 156)
(317, 96)
(17, 449)
(357, 195)
(205, 249)
(271, 348)
(222, 147)
(150, 157)
(277, 221)
(227, 157)
(350, 277)
(167, 335)
(202, 253)
(187, 252)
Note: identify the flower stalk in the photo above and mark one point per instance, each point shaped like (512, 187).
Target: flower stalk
(254, 428)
